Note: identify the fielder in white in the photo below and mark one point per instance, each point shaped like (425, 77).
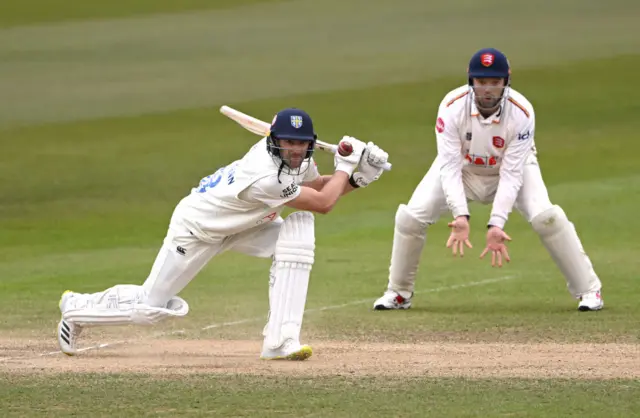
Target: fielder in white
(238, 209)
(486, 153)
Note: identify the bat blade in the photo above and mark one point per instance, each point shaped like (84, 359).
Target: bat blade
(249, 123)
(262, 128)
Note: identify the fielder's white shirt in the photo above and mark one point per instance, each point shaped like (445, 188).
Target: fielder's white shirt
(242, 195)
(495, 146)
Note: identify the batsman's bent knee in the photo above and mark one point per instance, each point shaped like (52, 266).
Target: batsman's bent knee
(149, 315)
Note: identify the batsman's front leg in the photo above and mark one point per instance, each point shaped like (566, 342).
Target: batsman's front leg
(293, 260)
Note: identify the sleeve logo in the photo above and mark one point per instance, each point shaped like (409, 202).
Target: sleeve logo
(289, 190)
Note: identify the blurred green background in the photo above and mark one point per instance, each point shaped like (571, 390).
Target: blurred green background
(109, 115)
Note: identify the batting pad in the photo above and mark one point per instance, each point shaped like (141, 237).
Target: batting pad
(294, 255)
(408, 241)
(119, 305)
(560, 238)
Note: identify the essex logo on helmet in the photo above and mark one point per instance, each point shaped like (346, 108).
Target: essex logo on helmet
(487, 59)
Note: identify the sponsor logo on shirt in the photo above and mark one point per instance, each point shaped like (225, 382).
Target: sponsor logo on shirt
(482, 160)
(289, 190)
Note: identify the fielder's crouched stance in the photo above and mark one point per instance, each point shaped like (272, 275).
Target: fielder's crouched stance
(486, 153)
(238, 208)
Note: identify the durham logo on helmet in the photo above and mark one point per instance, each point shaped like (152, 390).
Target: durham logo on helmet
(296, 121)
(487, 60)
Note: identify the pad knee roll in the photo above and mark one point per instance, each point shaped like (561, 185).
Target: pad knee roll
(296, 241)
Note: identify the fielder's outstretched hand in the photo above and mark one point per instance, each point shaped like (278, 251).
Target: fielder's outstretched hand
(459, 235)
(496, 239)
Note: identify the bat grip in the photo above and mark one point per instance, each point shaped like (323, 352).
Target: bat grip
(332, 149)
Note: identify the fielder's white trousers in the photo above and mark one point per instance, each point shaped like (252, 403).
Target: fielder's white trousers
(428, 203)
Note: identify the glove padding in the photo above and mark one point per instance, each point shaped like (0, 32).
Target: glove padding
(349, 163)
(370, 169)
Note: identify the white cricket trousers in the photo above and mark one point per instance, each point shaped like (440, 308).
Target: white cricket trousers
(182, 256)
(549, 221)
(428, 201)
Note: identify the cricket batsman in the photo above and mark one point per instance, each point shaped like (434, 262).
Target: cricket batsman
(486, 153)
(238, 209)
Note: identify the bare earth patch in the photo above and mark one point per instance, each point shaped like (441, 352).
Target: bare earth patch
(335, 358)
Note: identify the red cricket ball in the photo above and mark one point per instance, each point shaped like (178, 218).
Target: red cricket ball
(345, 148)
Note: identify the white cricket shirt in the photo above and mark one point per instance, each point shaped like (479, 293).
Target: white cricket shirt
(485, 147)
(242, 195)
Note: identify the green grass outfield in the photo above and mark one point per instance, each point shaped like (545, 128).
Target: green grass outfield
(109, 115)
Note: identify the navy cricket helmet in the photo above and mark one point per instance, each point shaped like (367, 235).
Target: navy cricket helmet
(489, 63)
(293, 124)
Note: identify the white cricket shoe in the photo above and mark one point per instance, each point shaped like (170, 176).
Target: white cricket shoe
(591, 302)
(391, 300)
(68, 332)
(290, 350)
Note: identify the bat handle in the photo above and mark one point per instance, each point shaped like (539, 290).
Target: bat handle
(325, 146)
(332, 149)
